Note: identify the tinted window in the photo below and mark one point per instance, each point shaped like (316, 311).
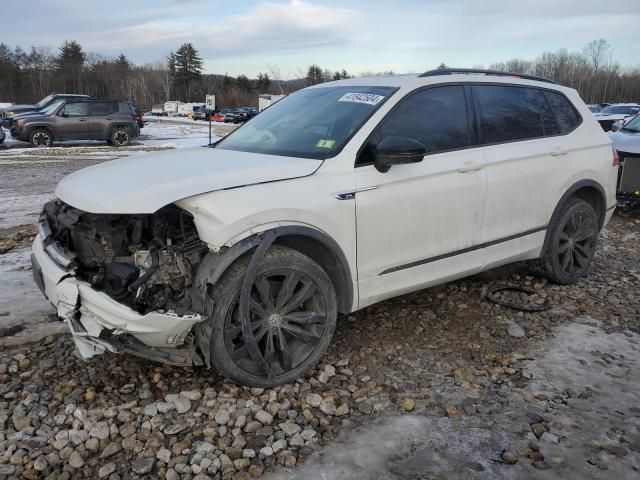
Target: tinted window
(566, 115)
(436, 117)
(76, 109)
(101, 108)
(549, 124)
(508, 113)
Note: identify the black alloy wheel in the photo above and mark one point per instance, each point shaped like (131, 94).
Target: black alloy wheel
(292, 317)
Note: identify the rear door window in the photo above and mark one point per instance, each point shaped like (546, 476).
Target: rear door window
(97, 109)
(508, 113)
(566, 115)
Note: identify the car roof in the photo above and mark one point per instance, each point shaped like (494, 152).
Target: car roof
(70, 95)
(623, 105)
(413, 80)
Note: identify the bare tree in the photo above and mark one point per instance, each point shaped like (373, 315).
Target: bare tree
(597, 51)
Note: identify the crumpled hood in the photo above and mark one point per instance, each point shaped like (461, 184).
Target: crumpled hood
(147, 183)
(625, 141)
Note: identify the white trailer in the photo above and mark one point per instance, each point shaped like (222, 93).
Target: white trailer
(267, 99)
(184, 109)
(171, 107)
(157, 110)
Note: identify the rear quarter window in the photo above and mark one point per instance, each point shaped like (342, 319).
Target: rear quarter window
(567, 117)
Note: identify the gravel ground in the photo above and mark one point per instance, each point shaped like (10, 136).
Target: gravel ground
(436, 384)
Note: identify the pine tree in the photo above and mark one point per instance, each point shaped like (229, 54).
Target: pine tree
(188, 66)
(315, 75)
(263, 82)
(69, 65)
(442, 66)
(243, 83)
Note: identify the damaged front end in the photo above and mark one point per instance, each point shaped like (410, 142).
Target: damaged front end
(122, 282)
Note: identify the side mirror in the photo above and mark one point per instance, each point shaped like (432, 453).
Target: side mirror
(64, 114)
(397, 151)
(615, 126)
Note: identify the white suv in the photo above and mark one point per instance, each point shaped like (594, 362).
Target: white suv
(241, 256)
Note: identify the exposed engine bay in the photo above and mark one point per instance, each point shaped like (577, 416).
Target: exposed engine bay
(146, 262)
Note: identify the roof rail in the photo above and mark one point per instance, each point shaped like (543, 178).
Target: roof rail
(453, 71)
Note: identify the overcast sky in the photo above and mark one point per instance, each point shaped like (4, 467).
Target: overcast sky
(241, 36)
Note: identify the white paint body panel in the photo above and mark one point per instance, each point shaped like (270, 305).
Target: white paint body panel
(147, 183)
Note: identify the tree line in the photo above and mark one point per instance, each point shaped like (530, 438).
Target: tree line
(26, 76)
(592, 72)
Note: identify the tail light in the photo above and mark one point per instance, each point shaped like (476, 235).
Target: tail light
(616, 159)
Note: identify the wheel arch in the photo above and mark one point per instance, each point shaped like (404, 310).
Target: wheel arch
(317, 245)
(118, 125)
(31, 128)
(309, 241)
(588, 190)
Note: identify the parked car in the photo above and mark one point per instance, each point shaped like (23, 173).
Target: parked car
(226, 115)
(203, 113)
(341, 195)
(594, 108)
(218, 116)
(113, 121)
(2, 135)
(626, 141)
(6, 115)
(246, 113)
(615, 112)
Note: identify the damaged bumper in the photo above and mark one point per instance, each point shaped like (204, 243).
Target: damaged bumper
(99, 323)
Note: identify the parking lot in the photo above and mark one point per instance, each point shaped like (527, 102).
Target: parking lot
(436, 384)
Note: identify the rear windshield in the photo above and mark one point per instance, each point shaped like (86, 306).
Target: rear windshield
(313, 123)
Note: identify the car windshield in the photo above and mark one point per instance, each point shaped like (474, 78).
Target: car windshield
(595, 108)
(45, 101)
(53, 107)
(633, 125)
(620, 110)
(313, 123)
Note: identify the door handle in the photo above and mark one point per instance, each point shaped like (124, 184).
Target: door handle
(470, 167)
(82, 119)
(108, 118)
(557, 152)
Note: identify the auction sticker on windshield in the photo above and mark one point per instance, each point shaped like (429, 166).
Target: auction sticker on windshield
(368, 98)
(325, 143)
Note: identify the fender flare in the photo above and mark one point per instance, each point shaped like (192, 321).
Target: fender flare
(566, 196)
(30, 128)
(214, 265)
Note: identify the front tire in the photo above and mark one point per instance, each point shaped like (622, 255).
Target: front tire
(293, 316)
(572, 244)
(41, 138)
(120, 137)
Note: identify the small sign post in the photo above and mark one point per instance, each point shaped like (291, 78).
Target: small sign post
(210, 101)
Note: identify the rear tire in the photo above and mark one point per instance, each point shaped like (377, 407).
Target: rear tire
(120, 137)
(572, 243)
(293, 317)
(41, 138)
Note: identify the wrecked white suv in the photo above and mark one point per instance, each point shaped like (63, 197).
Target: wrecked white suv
(241, 256)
